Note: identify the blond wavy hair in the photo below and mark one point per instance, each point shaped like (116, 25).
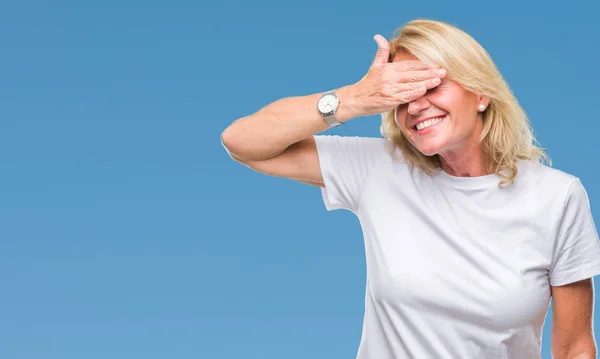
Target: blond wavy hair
(507, 136)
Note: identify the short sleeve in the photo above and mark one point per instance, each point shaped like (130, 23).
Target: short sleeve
(346, 163)
(577, 249)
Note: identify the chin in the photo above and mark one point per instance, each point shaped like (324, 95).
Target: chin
(430, 148)
(428, 152)
(432, 142)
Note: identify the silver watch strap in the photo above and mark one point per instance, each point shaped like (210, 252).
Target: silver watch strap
(330, 119)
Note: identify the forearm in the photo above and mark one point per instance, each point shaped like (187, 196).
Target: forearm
(274, 128)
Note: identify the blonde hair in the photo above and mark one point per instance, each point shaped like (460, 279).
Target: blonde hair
(507, 136)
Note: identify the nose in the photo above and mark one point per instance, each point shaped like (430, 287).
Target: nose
(418, 105)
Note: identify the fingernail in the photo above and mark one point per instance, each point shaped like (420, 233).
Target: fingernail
(441, 72)
(436, 80)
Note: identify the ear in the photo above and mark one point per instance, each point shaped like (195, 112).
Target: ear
(484, 100)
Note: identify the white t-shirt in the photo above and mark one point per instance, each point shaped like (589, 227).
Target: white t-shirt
(458, 267)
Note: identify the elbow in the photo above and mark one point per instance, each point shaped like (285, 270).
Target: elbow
(227, 139)
(229, 147)
(589, 353)
(238, 147)
(231, 144)
(582, 350)
(244, 148)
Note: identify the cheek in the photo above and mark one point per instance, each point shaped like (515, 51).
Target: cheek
(401, 123)
(400, 119)
(466, 120)
(400, 116)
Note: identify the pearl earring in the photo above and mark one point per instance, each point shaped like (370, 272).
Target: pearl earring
(481, 107)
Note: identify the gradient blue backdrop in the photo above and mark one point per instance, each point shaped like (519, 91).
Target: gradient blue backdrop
(125, 229)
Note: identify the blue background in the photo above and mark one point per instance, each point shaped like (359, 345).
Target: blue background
(126, 231)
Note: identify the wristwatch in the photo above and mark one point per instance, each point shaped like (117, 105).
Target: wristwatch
(327, 106)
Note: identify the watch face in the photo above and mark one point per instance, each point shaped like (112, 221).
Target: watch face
(328, 103)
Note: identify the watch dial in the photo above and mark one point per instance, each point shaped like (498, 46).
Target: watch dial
(328, 103)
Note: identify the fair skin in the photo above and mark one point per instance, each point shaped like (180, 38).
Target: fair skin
(455, 138)
(572, 321)
(277, 141)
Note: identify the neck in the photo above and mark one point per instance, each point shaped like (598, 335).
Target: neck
(467, 158)
(470, 164)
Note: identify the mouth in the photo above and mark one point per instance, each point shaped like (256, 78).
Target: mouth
(424, 126)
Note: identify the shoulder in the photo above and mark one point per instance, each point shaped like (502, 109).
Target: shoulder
(550, 184)
(348, 163)
(544, 177)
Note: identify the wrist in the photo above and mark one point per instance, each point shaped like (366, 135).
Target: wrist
(348, 108)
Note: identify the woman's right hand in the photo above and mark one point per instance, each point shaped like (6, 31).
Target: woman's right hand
(390, 84)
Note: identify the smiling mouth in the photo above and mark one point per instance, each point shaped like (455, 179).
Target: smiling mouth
(421, 126)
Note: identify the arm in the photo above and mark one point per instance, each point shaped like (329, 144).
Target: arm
(277, 140)
(268, 132)
(572, 328)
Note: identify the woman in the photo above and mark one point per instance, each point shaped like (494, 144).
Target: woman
(468, 233)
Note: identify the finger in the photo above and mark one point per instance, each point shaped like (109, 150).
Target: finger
(426, 84)
(383, 50)
(422, 75)
(411, 95)
(410, 65)
(431, 83)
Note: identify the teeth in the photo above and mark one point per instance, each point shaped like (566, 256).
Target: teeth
(432, 121)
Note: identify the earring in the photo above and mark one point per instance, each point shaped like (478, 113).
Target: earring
(481, 107)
